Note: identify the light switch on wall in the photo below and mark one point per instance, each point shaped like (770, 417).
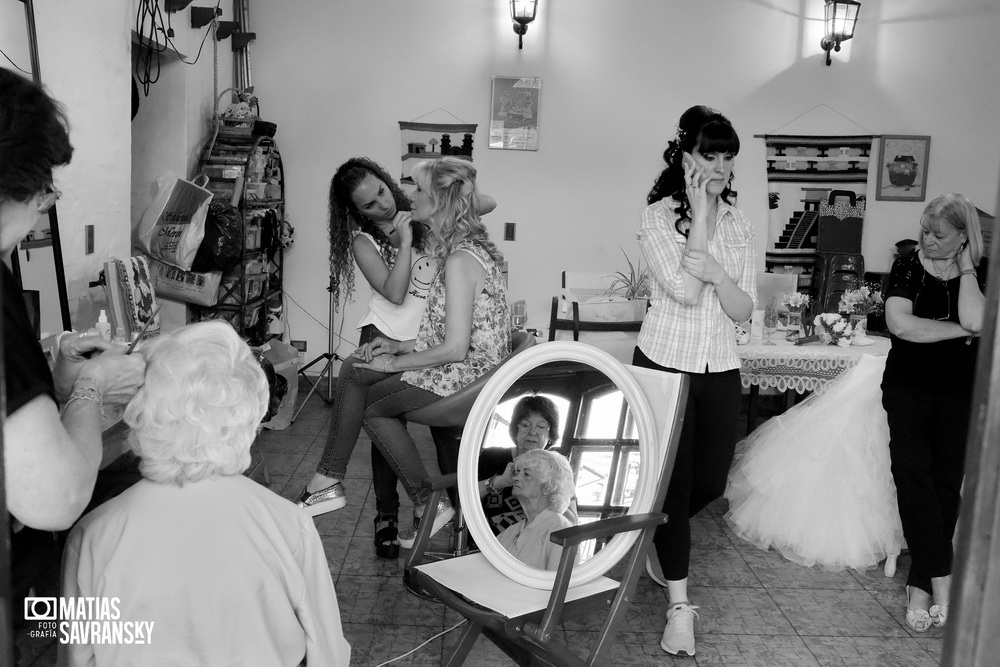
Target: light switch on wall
(88, 239)
(508, 231)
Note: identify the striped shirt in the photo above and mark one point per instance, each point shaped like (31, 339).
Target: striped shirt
(699, 338)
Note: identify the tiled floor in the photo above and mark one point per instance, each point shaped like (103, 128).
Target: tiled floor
(755, 607)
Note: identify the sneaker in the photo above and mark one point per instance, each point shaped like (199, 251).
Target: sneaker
(445, 513)
(331, 498)
(678, 636)
(654, 571)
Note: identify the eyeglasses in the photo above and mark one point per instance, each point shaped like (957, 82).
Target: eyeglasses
(528, 426)
(928, 303)
(49, 199)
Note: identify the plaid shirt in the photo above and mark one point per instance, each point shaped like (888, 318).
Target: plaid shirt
(699, 338)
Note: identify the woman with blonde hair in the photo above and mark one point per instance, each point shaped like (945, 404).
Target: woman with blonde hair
(224, 570)
(460, 338)
(934, 310)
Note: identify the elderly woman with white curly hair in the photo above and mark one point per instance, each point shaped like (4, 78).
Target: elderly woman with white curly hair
(221, 570)
(543, 484)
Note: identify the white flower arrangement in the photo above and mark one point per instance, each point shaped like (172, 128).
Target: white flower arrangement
(795, 300)
(833, 329)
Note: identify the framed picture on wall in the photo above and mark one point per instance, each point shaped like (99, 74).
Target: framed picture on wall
(902, 174)
(514, 113)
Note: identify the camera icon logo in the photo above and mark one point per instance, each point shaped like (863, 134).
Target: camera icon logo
(40, 609)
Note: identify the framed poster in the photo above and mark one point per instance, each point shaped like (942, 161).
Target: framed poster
(514, 113)
(902, 174)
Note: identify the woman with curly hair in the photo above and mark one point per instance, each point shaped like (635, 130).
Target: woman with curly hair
(700, 249)
(370, 225)
(461, 337)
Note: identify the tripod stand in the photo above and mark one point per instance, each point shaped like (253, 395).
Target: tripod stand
(330, 356)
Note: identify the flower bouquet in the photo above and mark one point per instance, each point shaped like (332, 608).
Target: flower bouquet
(833, 329)
(859, 301)
(795, 302)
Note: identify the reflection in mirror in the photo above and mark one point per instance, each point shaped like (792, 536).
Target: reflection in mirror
(576, 410)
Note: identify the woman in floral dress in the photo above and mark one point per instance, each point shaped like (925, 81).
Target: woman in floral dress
(465, 330)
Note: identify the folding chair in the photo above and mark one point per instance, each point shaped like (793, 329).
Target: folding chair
(520, 608)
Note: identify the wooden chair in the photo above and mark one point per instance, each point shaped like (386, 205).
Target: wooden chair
(527, 630)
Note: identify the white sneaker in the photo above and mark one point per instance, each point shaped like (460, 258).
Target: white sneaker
(678, 636)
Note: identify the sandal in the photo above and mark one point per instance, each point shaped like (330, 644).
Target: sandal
(919, 620)
(386, 532)
(938, 614)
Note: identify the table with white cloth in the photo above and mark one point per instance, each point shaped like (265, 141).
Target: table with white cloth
(798, 368)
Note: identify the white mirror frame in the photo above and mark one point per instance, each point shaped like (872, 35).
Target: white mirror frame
(475, 429)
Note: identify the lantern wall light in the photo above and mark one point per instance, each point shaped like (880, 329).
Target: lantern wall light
(522, 12)
(839, 20)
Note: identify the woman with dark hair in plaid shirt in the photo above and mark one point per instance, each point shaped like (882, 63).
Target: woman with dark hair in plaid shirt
(700, 250)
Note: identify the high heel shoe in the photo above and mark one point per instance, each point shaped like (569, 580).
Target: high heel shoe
(938, 614)
(445, 512)
(386, 544)
(919, 620)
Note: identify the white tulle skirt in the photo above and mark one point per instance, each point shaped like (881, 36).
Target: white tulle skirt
(815, 483)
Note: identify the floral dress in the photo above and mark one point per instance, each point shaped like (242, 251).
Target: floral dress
(490, 341)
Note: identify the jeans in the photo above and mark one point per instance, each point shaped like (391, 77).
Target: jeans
(383, 421)
(349, 400)
(704, 453)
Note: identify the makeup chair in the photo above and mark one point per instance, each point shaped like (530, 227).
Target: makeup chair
(521, 609)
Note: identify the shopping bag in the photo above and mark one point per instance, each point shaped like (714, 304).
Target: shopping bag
(222, 245)
(840, 222)
(173, 225)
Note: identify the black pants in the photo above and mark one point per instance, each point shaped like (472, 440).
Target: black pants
(927, 435)
(704, 454)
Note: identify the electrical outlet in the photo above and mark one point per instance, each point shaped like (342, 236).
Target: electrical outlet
(299, 345)
(88, 239)
(509, 231)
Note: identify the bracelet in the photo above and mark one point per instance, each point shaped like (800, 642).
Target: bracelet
(87, 378)
(489, 485)
(84, 393)
(967, 272)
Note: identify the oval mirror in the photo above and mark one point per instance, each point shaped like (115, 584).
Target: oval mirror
(605, 429)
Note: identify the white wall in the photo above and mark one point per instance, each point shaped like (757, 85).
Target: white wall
(336, 77)
(85, 54)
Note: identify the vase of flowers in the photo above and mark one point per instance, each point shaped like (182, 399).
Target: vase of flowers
(859, 302)
(833, 329)
(795, 302)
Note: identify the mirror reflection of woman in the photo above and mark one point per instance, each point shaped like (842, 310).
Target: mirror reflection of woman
(543, 484)
(700, 250)
(464, 332)
(934, 308)
(534, 424)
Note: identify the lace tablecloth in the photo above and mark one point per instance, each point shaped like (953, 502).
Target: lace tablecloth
(801, 368)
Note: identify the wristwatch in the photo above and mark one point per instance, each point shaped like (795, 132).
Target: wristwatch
(489, 484)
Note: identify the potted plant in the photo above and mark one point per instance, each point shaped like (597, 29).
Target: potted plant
(633, 285)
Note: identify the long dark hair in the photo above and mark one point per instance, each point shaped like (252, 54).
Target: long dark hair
(707, 130)
(346, 219)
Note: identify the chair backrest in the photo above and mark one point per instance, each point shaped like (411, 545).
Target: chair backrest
(453, 410)
(585, 284)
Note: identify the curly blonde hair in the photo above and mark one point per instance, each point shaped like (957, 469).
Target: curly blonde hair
(451, 184)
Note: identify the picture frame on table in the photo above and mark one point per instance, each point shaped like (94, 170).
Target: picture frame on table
(514, 113)
(903, 162)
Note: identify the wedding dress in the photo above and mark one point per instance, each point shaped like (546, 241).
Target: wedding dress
(815, 482)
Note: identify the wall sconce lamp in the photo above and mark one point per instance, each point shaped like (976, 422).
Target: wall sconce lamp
(839, 20)
(522, 12)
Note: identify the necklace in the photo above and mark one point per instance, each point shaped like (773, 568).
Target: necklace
(941, 274)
